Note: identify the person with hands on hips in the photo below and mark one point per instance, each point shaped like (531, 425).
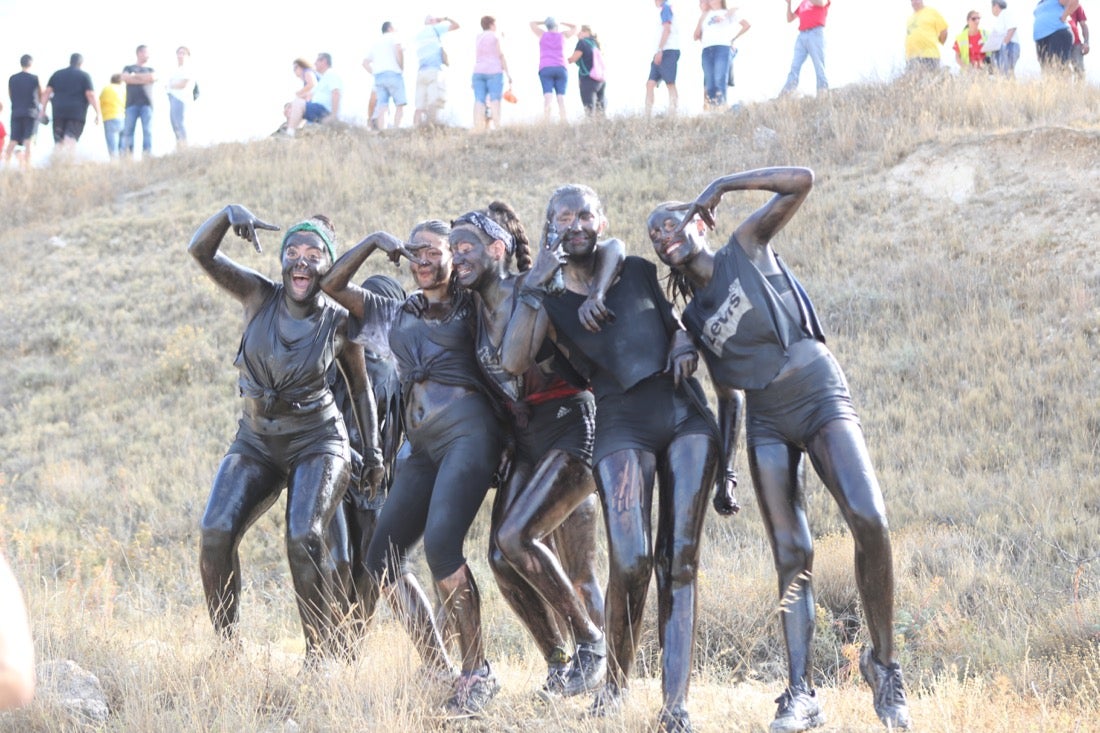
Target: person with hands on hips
(291, 432)
(759, 333)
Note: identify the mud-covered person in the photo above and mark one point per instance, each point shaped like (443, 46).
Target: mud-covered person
(543, 531)
(291, 432)
(759, 333)
(441, 484)
(652, 423)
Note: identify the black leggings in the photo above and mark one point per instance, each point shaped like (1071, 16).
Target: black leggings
(438, 490)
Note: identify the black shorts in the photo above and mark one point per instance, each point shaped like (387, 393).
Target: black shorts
(647, 417)
(22, 129)
(284, 444)
(792, 409)
(567, 424)
(67, 128)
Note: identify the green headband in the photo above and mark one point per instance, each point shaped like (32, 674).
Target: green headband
(309, 226)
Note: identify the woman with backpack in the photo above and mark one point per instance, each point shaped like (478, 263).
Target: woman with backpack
(590, 70)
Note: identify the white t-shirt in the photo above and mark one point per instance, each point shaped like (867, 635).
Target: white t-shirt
(998, 27)
(186, 93)
(383, 56)
(717, 28)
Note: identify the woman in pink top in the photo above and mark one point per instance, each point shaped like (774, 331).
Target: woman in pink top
(552, 62)
(490, 68)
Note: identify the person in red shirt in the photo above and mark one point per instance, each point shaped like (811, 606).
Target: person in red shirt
(811, 16)
(969, 53)
(1078, 23)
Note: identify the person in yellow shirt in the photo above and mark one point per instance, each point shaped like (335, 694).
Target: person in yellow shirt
(925, 32)
(114, 113)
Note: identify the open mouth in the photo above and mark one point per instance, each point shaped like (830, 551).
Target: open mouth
(301, 283)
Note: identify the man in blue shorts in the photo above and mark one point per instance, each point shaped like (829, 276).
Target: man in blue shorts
(665, 60)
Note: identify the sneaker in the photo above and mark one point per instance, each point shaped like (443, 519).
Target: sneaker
(889, 689)
(473, 691)
(588, 668)
(799, 710)
(554, 686)
(607, 701)
(674, 720)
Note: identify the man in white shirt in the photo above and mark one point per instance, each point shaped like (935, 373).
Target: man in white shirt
(665, 60)
(431, 93)
(386, 61)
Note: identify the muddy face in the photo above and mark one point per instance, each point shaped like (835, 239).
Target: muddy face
(304, 262)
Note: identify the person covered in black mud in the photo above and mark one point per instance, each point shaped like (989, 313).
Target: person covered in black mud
(441, 484)
(544, 520)
(352, 527)
(652, 423)
(291, 432)
(758, 332)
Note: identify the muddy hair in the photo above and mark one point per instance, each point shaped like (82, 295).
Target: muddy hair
(569, 189)
(327, 225)
(506, 216)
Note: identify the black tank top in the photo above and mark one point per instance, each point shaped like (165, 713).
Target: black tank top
(628, 350)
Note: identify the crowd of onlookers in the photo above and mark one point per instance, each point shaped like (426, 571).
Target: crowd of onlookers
(119, 107)
(1060, 33)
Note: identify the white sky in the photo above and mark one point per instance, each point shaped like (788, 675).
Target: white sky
(242, 52)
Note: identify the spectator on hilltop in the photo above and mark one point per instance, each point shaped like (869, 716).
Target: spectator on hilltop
(591, 88)
(1078, 24)
(1053, 38)
(490, 68)
(970, 43)
(715, 31)
(810, 15)
(25, 94)
(552, 63)
(925, 32)
(71, 92)
(665, 59)
(113, 111)
(181, 92)
(139, 80)
(1002, 38)
(324, 103)
(431, 91)
(386, 62)
(16, 644)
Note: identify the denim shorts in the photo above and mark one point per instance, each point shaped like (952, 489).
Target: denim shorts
(553, 79)
(315, 112)
(390, 85)
(488, 85)
(666, 72)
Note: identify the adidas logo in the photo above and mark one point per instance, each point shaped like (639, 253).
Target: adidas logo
(562, 412)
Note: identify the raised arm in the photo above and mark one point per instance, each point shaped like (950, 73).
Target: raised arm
(536, 28)
(570, 29)
(791, 187)
(243, 283)
(337, 282)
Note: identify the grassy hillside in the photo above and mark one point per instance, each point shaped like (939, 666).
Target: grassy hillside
(949, 246)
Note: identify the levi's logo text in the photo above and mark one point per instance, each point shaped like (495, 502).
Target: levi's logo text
(723, 324)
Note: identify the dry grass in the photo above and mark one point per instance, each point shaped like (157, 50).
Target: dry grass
(949, 247)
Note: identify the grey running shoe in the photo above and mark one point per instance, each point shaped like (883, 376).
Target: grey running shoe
(889, 689)
(674, 720)
(799, 710)
(473, 691)
(588, 668)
